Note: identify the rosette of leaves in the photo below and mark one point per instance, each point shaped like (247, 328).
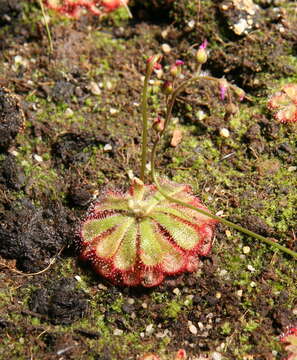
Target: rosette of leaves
(139, 237)
(284, 103)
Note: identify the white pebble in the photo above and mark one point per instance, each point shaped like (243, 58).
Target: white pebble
(176, 291)
(38, 158)
(144, 305)
(149, 329)
(193, 329)
(251, 268)
(224, 132)
(108, 85)
(107, 147)
(113, 111)
(239, 293)
(223, 272)
(191, 24)
(94, 88)
(166, 48)
(246, 249)
(216, 356)
(118, 332)
(69, 112)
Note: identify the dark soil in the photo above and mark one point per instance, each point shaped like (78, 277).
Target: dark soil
(70, 127)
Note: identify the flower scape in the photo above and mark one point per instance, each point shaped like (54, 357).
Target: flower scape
(139, 237)
(158, 229)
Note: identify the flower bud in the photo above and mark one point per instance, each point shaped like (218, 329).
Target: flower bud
(158, 124)
(155, 61)
(223, 88)
(239, 92)
(201, 55)
(175, 69)
(167, 88)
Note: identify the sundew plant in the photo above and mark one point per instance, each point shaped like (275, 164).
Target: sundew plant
(158, 227)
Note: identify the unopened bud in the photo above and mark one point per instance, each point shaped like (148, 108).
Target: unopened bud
(223, 88)
(201, 55)
(239, 92)
(175, 69)
(167, 88)
(158, 124)
(155, 61)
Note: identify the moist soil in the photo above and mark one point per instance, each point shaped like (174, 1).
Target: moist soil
(70, 127)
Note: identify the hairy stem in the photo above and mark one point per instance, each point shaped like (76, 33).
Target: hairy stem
(51, 48)
(170, 105)
(149, 69)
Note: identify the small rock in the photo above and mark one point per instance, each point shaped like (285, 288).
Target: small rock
(118, 332)
(113, 111)
(251, 268)
(176, 291)
(246, 249)
(38, 158)
(193, 330)
(216, 356)
(176, 138)
(166, 48)
(149, 329)
(224, 132)
(94, 88)
(107, 147)
(69, 112)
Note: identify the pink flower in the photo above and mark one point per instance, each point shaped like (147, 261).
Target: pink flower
(223, 88)
(203, 45)
(179, 62)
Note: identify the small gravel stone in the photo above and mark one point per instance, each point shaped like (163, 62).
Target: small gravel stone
(37, 158)
(193, 329)
(149, 329)
(176, 291)
(107, 147)
(224, 132)
(118, 332)
(223, 272)
(69, 112)
(166, 48)
(216, 356)
(94, 88)
(218, 295)
(246, 249)
(251, 268)
(144, 305)
(113, 111)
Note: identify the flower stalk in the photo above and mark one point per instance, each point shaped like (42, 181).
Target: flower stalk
(170, 101)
